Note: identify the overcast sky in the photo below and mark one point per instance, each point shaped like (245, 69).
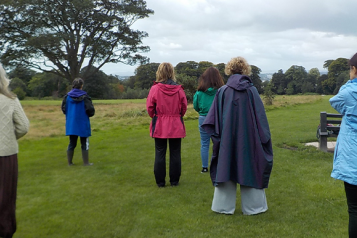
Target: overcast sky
(270, 34)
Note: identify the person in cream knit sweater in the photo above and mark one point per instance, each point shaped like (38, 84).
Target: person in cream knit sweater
(13, 125)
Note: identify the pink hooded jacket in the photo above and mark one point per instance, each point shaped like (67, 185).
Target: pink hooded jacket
(166, 105)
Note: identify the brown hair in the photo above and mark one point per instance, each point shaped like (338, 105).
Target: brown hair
(237, 65)
(164, 72)
(353, 61)
(4, 84)
(210, 78)
(77, 83)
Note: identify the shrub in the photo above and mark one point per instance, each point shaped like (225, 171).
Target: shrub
(268, 96)
(20, 93)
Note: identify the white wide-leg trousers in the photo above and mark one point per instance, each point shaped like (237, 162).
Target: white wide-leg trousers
(224, 199)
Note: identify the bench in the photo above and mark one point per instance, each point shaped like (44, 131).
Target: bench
(328, 128)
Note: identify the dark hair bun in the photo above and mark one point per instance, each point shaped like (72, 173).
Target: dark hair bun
(77, 83)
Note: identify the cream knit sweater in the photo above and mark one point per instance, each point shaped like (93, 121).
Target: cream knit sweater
(13, 125)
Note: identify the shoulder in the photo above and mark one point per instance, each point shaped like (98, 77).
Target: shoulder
(87, 97)
(4, 100)
(224, 87)
(253, 89)
(347, 88)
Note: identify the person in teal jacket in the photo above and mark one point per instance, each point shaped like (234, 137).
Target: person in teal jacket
(345, 155)
(208, 84)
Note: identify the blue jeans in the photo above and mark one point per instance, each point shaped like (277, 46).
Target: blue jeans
(205, 141)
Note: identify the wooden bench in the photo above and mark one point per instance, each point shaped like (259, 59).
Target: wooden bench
(328, 128)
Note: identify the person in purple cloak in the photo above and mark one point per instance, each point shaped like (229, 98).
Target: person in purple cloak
(242, 148)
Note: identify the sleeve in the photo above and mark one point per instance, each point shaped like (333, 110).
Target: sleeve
(209, 124)
(151, 102)
(21, 122)
(90, 110)
(195, 102)
(183, 102)
(260, 117)
(63, 106)
(338, 101)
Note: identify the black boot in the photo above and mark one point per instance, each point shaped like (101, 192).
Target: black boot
(70, 157)
(85, 158)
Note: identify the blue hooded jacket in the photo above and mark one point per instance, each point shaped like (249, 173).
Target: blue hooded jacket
(345, 156)
(78, 107)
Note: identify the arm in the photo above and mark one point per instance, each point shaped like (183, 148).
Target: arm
(63, 106)
(151, 103)
(90, 111)
(21, 122)
(338, 101)
(195, 102)
(261, 119)
(183, 102)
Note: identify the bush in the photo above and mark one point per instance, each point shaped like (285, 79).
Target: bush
(268, 96)
(20, 93)
(136, 93)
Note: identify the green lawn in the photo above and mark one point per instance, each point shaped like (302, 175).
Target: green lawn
(118, 197)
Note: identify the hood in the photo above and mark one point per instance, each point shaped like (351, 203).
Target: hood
(168, 89)
(239, 82)
(77, 95)
(210, 91)
(353, 91)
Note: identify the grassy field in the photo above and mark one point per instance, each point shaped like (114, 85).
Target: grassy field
(118, 197)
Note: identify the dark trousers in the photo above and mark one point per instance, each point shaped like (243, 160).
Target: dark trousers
(73, 142)
(160, 160)
(351, 194)
(8, 190)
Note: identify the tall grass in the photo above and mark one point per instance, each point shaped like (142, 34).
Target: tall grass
(118, 197)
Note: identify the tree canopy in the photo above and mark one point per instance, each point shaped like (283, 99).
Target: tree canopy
(64, 36)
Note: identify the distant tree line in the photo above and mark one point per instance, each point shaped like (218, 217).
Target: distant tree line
(296, 80)
(187, 74)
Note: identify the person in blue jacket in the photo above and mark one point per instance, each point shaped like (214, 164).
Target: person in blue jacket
(78, 107)
(345, 155)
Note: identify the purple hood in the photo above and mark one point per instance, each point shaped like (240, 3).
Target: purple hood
(76, 93)
(239, 82)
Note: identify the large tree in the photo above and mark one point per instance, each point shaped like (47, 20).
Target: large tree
(295, 77)
(63, 36)
(337, 68)
(188, 68)
(255, 77)
(278, 82)
(145, 75)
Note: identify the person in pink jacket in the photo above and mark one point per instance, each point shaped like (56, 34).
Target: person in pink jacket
(166, 105)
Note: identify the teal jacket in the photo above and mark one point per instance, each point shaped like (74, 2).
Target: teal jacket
(345, 157)
(202, 101)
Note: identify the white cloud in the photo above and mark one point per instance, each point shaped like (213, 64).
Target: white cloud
(271, 34)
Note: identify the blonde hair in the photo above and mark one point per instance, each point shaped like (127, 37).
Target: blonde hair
(4, 84)
(237, 65)
(164, 72)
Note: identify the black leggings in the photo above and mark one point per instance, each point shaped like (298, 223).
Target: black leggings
(351, 194)
(73, 142)
(160, 160)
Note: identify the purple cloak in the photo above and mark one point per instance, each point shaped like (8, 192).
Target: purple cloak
(242, 149)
